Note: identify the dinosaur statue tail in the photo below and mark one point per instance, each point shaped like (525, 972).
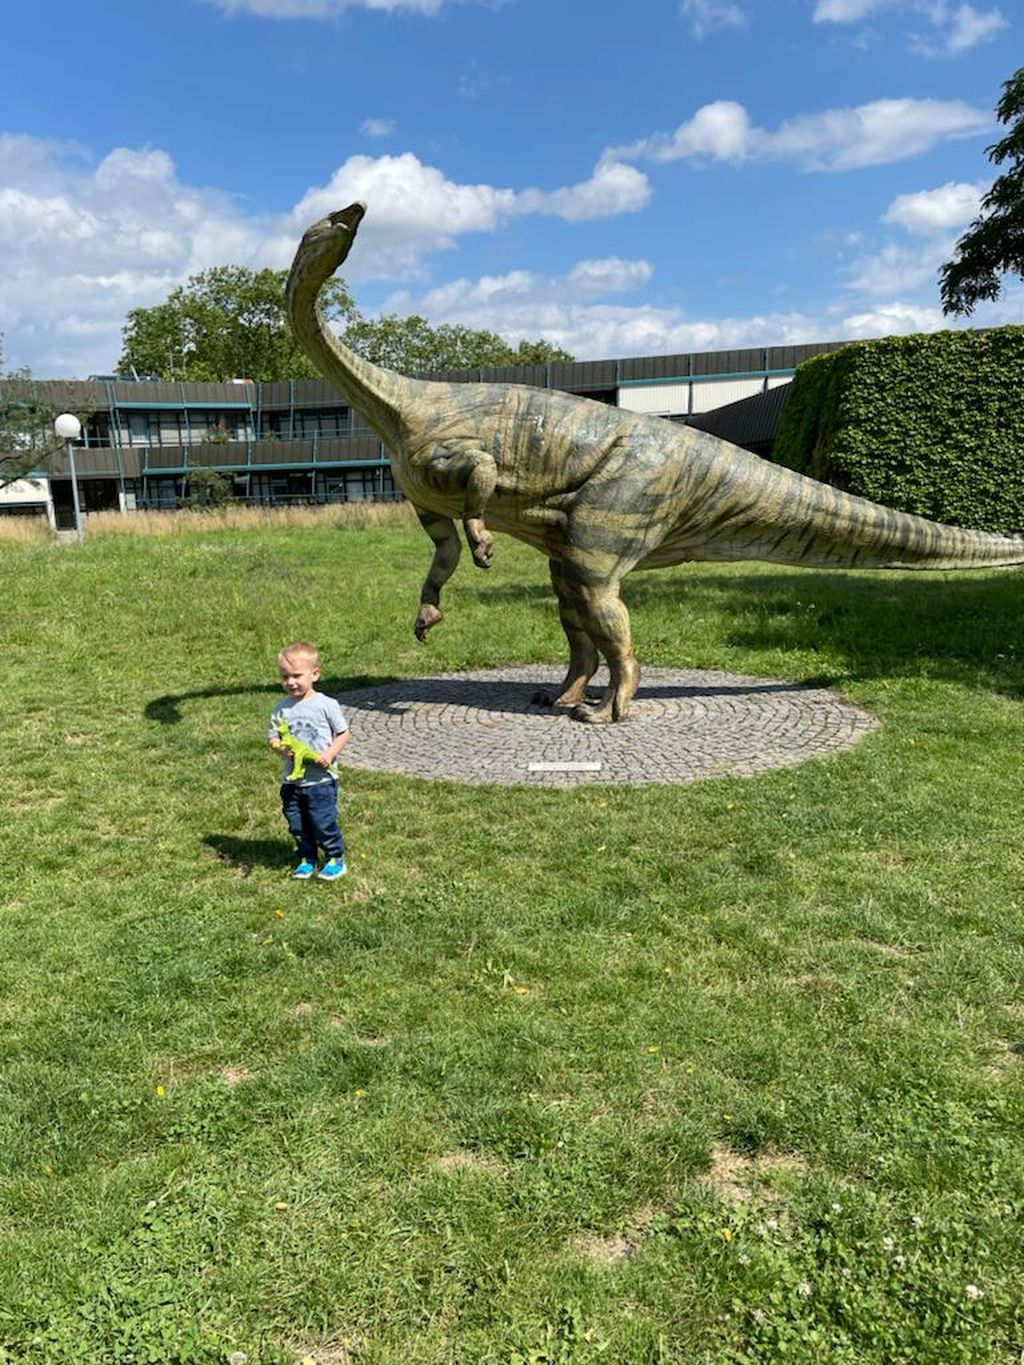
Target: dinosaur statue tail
(743, 507)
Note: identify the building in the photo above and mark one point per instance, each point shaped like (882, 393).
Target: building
(299, 442)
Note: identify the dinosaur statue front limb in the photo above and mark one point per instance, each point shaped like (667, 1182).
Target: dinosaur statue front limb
(471, 475)
(447, 550)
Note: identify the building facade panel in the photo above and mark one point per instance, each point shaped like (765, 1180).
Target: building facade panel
(662, 399)
(715, 393)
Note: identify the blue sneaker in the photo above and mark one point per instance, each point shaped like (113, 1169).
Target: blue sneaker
(304, 871)
(332, 869)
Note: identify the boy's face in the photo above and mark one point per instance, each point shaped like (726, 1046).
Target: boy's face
(298, 677)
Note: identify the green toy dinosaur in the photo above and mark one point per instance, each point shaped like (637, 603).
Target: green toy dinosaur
(298, 748)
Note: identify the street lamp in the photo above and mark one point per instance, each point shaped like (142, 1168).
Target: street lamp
(69, 428)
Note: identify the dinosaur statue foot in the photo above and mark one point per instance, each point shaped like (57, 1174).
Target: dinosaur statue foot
(426, 620)
(588, 714)
(564, 697)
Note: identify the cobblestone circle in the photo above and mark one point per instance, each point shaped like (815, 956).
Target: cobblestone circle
(487, 728)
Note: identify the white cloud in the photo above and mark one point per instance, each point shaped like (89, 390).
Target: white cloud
(952, 205)
(720, 131)
(969, 27)
(956, 30)
(959, 30)
(705, 16)
(898, 269)
(81, 244)
(892, 319)
(567, 312)
(613, 188)
(417, 210)
(845, 11)
(872, 134)
(379, 127)
(609, 276)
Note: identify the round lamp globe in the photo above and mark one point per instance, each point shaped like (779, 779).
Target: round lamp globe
(67, 426)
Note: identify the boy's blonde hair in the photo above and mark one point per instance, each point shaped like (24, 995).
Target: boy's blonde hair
(300, 649)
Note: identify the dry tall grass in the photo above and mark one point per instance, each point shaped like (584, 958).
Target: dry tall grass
(347, 515)
(25, 529)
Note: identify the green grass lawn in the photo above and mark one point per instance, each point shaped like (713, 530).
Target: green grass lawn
(728, 1072)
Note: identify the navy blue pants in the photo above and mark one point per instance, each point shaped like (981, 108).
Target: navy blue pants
(312, 815)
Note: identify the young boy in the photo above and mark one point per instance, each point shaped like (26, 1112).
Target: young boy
(310, 804)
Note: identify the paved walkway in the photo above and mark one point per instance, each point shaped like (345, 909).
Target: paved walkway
(485, 728)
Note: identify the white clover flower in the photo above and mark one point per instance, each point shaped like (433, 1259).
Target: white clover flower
(888, 1244)
(837, 1208)
(804, 1289)
(917, 1222)
(972, 1292)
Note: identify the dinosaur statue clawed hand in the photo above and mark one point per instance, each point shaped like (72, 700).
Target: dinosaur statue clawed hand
(598, 490)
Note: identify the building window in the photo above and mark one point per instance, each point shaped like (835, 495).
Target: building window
(322, 422)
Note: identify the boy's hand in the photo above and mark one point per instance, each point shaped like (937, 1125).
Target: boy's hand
(325, 758)
(277, 746)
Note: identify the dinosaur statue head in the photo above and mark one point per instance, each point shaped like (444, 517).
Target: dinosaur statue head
(323, 247)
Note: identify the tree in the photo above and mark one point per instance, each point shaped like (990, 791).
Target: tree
(207, 491)
(539, 353)
(993, 245)
(228, 322)
(26, 425)
(411, 346)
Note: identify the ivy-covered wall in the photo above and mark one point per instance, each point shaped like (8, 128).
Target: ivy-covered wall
(927, 424)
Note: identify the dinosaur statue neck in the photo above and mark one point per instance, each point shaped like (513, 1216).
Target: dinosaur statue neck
(378, 394)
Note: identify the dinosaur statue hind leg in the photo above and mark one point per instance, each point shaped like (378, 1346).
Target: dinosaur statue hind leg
(595, 620)
(447, 549)
(583, 656)
(606, 621)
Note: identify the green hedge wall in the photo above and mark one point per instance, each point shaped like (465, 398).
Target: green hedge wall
(927, 424)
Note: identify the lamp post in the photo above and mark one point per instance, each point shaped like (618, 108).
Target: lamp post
(69, 428)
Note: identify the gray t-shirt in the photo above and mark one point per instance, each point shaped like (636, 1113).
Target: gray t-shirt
(316, 721)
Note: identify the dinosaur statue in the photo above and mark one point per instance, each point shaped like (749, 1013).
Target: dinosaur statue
(300, 751)
(598, 490)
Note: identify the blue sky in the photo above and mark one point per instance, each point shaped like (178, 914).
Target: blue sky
(623, 179)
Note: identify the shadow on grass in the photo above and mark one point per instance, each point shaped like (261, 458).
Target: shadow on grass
(167, 709)
(250, 853)
(957, 626)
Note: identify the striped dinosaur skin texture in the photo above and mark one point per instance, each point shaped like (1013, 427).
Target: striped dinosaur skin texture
(598, 490)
